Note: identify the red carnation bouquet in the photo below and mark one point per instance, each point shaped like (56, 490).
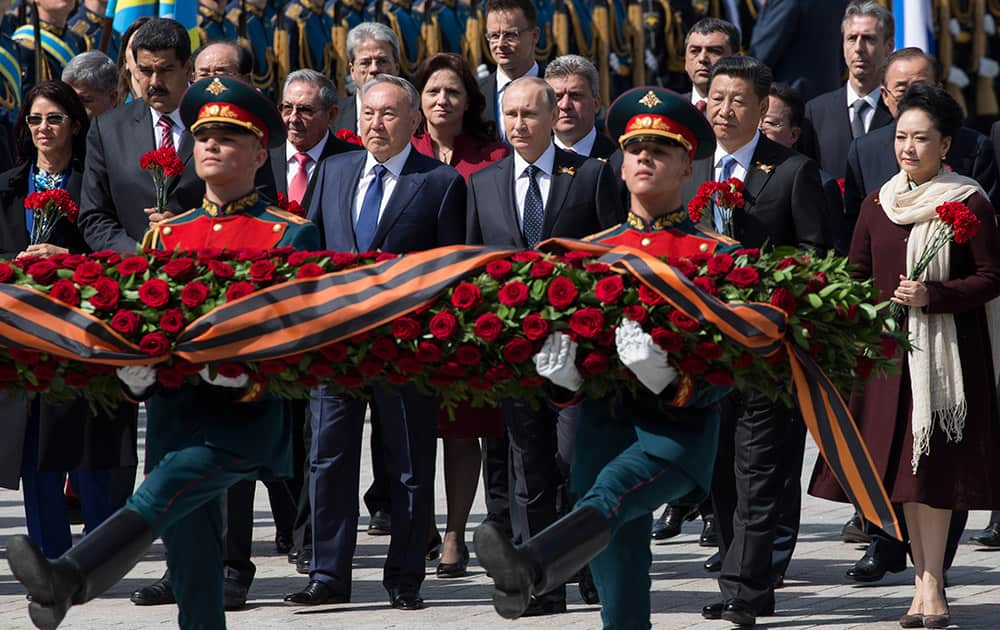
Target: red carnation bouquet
(162, 164)
(349, 136)
(956, 223)
(48, 207)
(291, 206)
(727, 195)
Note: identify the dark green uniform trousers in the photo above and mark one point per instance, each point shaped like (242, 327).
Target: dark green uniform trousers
(182, 499)
(612, 473)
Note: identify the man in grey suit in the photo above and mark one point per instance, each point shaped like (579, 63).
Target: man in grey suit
(372, 49)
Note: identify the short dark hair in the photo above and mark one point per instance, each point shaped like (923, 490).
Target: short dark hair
(524, 6)
(472, 120)
(912, 52)
(791, 97)
(745, 68)
(709, 25)
(63, 95)
(944, 110)
(162, 34)
(244, 56)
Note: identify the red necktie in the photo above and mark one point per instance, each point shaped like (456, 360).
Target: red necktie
(701, 106)
(166, 137)
(297, 187)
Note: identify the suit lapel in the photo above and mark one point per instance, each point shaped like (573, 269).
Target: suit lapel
(348, 192)
(759, 172)
(407, 188)
(558, 190)
(505, 199)
(279, 169)
(882, 116)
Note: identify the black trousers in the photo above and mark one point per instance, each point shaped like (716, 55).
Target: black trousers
(377, 496)
(746, 490)
(790, 505)
(496, 478)
(302, 526)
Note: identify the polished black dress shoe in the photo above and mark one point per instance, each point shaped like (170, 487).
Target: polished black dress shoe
(989, 537)
(406, 600)
(234, 594)
(714, 563)
(552, 603)
(777, 582)
(316, 593)
(158, 593)
(433, 547)
(380, 524)
(293, 555)
(709, 533)
(669, 523)
(739, 612)
(283, 542)
(854, 531)
(588, 590)
(454, 569)
(713, 611)
(873, 566)
(302, 561)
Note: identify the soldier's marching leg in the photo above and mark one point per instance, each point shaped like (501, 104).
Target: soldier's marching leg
(195, 557)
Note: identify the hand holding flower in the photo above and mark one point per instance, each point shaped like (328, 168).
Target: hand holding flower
(910, 293)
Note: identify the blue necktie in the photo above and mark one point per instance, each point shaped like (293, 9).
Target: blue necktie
(728, 164)
(534, 211)
(364, 231)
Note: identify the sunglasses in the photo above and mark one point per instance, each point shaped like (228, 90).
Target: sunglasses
(54, 120)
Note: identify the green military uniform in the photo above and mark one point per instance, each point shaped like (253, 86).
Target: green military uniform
(90, 26)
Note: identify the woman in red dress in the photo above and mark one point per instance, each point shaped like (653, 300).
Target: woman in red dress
(454, 132)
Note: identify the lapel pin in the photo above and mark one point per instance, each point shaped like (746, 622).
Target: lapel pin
(767, 168)
(567, 170)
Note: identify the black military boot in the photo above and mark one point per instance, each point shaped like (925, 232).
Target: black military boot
(544, 562)
(89, 568)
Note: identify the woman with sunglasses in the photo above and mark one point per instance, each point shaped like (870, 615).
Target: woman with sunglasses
(47, 441)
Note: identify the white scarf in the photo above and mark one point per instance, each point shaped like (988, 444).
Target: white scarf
(935, 368)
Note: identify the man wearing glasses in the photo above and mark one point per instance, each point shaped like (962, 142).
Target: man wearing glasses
(512, 34)
(372, 49)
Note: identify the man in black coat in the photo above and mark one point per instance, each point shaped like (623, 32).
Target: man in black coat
(835, 118)
(372, 48)
(709, 40)
(537, 193)
(578, 98)
(784, 205)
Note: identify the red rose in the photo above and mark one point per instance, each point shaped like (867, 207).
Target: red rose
(609, 289)
(282, 252)
(66, 292)
(238, 290)
(597, 267)
(271, 367)
(817, 282)
(296, 259)
(743, 361)
(28, 357)
(465, 296)
(498, 373)
(535, 327)
(209, 253)
(180, 269)
(334, 352)
(786, 262)
(720, 264)
(309, 270)
(43, 271)
(574, 259)
(518, 350)
(221, 270)
(453, 369)
(743, 277)
(132, 265)
(194, 294)
(636, 313)
(596, 362)
(708, 350)
(562, 292)
(785, 300)
(409, 365)
(154, 293)
(488, 327)
(126, 322)
(526, 256)
(262, 271)
(888, 345)
(587, 322)
(230, 370)
(864, 368)
(443, 325)
(428, 352)
(349, 381)
(751, 252)
(154, 344)
(106, 298)
(499, 269)
(6, 272)
(8, 374)
(706, 284)
(718, 376)
(692, 365)
(468, 354)
(187, 368)
(648, 296)
(683, 265)
(169, 377)
(249, 254)
(514, 293)
(343, 258)
(541, 269)
(172, 321)
(405, 328)
(320, 369)
(370, 367)
(667, 339)
(72, 261)
(383, 348)
(683, 322)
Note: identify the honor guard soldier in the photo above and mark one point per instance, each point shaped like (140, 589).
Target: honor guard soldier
(212, 23)
(59, 43)
(634, 453)
(202, 438)
(302, 39)
(88, 22)
(253, 22)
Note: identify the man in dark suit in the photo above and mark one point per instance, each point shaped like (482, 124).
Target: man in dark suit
(709, 40)
(393, 199)
(372, 49)
(835, 118)
(578, 97)
(784, 205)
(537, 193)
(512, 34)
(117, 201)
(799, 40)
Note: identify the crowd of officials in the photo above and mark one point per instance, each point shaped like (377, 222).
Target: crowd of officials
(511, 158)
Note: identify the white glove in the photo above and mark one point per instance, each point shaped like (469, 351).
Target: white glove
(650, 59)
(224, 381)
(988, 68)
(957, 77)
(954, 27)
(556, 361)
(639, 353)
(482, 71)
(613, 62)
(137, 378)
(989, 24)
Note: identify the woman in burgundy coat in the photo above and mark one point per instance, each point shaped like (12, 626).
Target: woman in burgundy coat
(933, 430)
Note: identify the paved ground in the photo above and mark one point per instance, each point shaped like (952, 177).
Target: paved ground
(815, 596)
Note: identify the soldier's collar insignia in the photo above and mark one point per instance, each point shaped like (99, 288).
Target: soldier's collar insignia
(650, 100)
(767, 168)
(232, 207)
(663, 222)
(216, 87)
(566, 170)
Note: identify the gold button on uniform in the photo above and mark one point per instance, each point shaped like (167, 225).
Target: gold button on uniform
(277, 227)
(167, 230)
(703, 247)
(217, 227)
(645, 242)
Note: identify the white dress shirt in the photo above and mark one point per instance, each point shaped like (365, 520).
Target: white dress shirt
(743, 155)
(545, 163)
(583, 146)
(872, 98)
(292, 165)
(393, 166)
(176, 131)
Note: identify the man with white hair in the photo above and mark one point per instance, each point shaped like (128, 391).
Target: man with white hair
(372, 49)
